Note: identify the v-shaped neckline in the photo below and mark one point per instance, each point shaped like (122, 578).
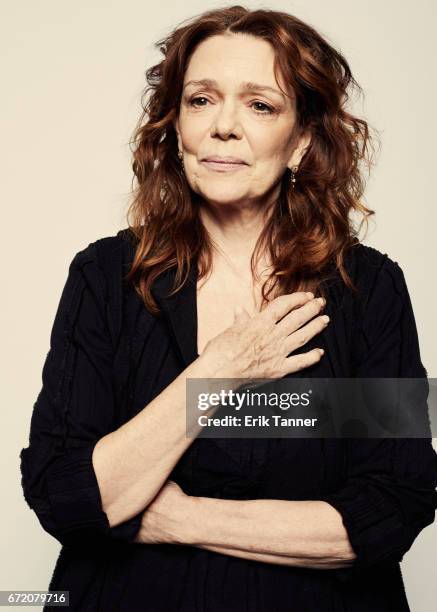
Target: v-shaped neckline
(180, 309)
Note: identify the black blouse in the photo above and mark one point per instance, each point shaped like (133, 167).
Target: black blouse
(109, 357)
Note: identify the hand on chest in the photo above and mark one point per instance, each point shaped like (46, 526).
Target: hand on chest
(217, 298)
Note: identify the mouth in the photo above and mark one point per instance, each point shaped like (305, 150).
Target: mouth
(223, 164)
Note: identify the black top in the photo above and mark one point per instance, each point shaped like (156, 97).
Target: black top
(109, 357)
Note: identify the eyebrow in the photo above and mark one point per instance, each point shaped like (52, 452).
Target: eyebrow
(246, 86)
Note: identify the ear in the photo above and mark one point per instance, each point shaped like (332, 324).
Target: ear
(299, 151)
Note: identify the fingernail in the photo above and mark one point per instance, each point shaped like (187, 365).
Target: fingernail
(321, 300)
(310, 294)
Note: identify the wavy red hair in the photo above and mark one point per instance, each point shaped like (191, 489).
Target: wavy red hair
(310, 230)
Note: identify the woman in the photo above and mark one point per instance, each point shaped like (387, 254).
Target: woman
(248, 165)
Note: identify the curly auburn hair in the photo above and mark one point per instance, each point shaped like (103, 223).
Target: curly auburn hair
(310, 230)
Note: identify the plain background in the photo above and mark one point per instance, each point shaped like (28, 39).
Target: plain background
(72, 74)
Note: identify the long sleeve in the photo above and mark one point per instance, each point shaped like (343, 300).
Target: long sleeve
(73, 410)
(389, 495)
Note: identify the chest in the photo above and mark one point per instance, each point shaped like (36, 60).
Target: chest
(149, 358)
(216, 299)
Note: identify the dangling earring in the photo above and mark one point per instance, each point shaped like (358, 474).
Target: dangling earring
(293, 171)
(181, 159)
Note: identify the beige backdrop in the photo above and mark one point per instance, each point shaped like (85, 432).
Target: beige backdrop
(71, 77)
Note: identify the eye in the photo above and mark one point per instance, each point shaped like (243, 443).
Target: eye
(265, 108)
(193, 100)
(268, 109)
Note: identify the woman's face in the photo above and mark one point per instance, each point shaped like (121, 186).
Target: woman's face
(229, 114)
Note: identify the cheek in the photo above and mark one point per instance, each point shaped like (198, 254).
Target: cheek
(271, 152)
(194, 131)
(193, 142)
(270, 144)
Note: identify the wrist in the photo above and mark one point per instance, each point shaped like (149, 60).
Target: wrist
(188, 529)
(208, 365)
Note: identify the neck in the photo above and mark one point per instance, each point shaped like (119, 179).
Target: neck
(234, 230)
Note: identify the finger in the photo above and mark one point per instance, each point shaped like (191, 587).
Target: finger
(282, 304)
(301, 336)
(294, 363)
(300, 316)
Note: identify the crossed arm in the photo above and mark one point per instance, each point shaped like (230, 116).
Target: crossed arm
(299, 533)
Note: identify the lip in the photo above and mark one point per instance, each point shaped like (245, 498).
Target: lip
(223, 163)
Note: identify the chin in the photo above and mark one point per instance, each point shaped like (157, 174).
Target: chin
(223, 198)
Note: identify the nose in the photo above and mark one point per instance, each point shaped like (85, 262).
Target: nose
(226, 123)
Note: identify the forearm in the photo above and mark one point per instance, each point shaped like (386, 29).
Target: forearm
(133, 462)
(309, 562)
(277, 531)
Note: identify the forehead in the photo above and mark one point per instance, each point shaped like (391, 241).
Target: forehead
(233, 58)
